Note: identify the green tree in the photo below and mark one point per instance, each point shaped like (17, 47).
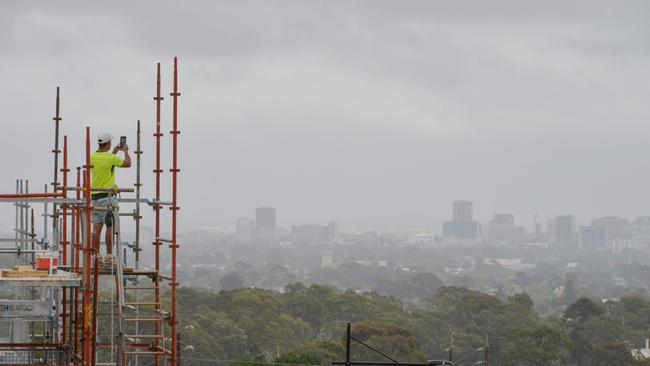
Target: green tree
(231, 281)
(522, 299)
(248, 360)
(581, 310)
(296, 358)
(390, 339)
(325, 350)
(612, 354)
(542, 345)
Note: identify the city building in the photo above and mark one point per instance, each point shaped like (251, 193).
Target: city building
(642, 353)
(334, 230)
(245, 228)
(640, 227)
(461, 229)
(326, 258)
(264, 218)
(593, 238)
(565, 231)
(504, 219)
(616, 227)
(462, 211)
(502, 230)
(312, 234)
(551, 228)
(621, 245)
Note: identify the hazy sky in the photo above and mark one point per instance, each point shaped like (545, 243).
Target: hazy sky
(371, 113)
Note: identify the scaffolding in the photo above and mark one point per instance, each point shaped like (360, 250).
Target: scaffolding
(61, 303)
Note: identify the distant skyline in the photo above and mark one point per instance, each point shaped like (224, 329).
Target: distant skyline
(368, 113)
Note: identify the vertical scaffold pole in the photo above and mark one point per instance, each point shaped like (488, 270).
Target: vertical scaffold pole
(16, 205)
(22, 218)
(95, 266)
(87, 254)
(72, 312)
(174, 208)
(64, 231)
(55, 183)
(45, 211)
(26, 212)
(137, 217)
(138, 185)
(77, 242)
(158, 98)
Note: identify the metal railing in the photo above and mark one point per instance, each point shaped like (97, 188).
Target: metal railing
(34, 354)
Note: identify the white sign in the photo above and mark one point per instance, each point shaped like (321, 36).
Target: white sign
(24, 308)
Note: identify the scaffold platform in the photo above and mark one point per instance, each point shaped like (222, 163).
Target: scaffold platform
(61, 301)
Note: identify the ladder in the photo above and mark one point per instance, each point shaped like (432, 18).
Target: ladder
(141, 318)
(132, 321)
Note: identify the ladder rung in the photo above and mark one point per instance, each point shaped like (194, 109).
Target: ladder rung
(141, 303)
(143, 320)
(144, 336)
(140, 288)
(144, 353)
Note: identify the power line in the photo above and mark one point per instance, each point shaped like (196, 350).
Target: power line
(469, 354)
(246, 362)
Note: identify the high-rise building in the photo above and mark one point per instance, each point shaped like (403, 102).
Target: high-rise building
(565, 231)
(640, 227)
(461, 228)
(616, 227)
(265, 218)
(504, 219)
(592, 238)
(502, 230)
(463, 211)
(551, 228)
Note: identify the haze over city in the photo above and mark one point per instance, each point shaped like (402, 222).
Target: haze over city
(366, 113)
(325, 183)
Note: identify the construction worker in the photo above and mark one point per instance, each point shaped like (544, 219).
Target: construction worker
(103, 176)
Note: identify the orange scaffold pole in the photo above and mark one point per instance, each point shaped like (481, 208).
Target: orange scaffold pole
(64, 233)
(77, 249)
(174, 208)
(158, 98)
(87, 255)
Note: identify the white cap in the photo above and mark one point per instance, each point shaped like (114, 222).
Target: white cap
(104, 137)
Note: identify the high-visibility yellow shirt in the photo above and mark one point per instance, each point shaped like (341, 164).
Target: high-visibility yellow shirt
(103, 170)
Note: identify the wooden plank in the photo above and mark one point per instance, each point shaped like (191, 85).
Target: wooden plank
(23, 268)
(19, 274)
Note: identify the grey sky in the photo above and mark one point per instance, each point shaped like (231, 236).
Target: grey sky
(371, 113)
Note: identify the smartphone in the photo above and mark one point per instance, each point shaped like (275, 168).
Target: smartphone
(122, 141)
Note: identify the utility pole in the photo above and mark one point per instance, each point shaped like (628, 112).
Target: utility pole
(486, 359)
(393, 362)
(451, 347)
(178, 340)
(347, 345)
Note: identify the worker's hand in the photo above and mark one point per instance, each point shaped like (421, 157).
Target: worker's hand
(116, 149)
(125, 148)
